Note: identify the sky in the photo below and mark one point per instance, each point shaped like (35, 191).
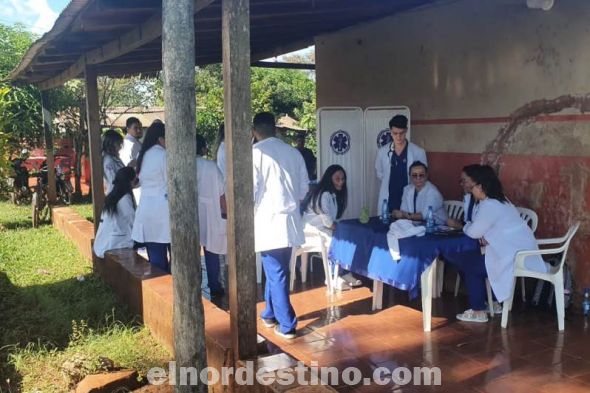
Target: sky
(37, 16)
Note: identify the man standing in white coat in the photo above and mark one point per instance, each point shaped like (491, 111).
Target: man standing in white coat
(212, 226)
(393, 163)
(131, 147)
(280, 183)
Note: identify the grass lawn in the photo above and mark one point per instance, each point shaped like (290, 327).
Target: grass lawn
(53, 309)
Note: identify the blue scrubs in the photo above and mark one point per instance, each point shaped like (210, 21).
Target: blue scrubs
(212, 264)
(158, 255)
(276, 290)
(473, 271)
(398, 177)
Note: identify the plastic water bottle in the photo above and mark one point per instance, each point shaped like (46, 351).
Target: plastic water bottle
(430, 220)
(586, 302)
(385, 212)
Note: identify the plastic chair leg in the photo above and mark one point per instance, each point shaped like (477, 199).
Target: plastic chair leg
(490, 298)
(507, 306)
(258, 268)
(457, 284)
(292, 265)
(523, 289)
(512, 298)
(560, 303)
(304, 264)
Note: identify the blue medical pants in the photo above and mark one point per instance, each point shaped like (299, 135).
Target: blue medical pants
(276, 290)
(473, 271)
(212, 264)
(158, 255)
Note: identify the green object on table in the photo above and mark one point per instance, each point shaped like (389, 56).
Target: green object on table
(364, 217)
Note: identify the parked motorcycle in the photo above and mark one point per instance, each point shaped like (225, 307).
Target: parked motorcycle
(40, 200)
(20, 193)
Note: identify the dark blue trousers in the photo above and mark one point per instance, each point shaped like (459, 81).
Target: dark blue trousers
(158, 255)
(276, 290)
(473, 272)
(212, 264)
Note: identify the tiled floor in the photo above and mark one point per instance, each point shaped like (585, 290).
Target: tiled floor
(529, 356)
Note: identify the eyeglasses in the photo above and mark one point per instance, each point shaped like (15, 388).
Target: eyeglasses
(418, 175)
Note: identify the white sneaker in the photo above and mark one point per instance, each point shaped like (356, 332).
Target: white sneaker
(351, 280)
(341, 285)
(473, 316)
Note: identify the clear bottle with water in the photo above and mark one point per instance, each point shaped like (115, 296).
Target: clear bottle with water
(385, 212)
(586, 302)
(430, 220)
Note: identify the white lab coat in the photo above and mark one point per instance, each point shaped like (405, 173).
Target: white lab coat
(221, 159)
(383, 166)
(152, 218)
(428, 196)
(280, 183)
(110, 166)
(130, 150)
(114, 231)
(212, 228)
(323, 218)
(506, 234)
(128, 154)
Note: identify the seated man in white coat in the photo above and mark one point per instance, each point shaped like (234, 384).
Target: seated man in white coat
(419, 196)
(280, 183)
(393, 162)
(212, 226)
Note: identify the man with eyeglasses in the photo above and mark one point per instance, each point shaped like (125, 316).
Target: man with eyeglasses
(393, 162)
(419, 196)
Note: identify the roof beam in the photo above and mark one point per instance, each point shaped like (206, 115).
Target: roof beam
(137, 37)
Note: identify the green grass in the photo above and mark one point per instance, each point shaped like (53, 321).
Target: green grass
(53, 308)
(84, 209)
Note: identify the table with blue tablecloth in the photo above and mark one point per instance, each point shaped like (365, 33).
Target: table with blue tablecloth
(362, 249)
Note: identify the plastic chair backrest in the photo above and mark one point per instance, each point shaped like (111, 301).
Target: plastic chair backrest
(566, 245)
(454, 209)
(530, 217)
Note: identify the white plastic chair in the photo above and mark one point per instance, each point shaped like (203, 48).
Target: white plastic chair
(315, 241)
(455, 211)
(554, 276)
(532, 220)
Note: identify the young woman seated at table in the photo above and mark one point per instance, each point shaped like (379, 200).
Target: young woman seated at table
(419, 195)
(325, 206)
(118, 213)
(502, 233)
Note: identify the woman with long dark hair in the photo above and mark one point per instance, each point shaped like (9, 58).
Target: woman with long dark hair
(112, 142)
(324, 207)
(152, 225)
(502, 233)
(118, 213)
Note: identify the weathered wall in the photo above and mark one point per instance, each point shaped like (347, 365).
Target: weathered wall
(463, 68)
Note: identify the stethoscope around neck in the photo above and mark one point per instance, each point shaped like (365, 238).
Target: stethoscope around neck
(390, 154)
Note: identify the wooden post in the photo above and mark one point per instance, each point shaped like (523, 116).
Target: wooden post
(48, 134)
(178, 70)
(238, 123)
(94, 142)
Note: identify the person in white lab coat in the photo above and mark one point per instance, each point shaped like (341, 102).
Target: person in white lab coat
(501, 230)
(118, 213)
(212, 226)
(131, 148)
(111, 163)
(280, 183)
(152, 221)
(221, 150)
(419, 196)
(393, 163)
(131, 143)
(469, 202)
(324, 207)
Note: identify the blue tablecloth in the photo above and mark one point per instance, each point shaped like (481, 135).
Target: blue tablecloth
(362, 249)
